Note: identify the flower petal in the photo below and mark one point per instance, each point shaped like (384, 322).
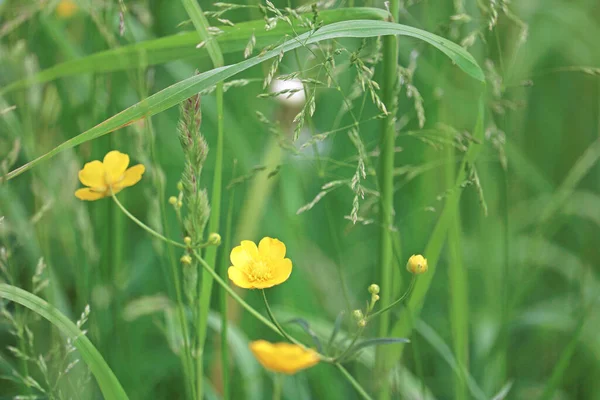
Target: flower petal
(89, 194)
(282, 270)
(92, 175)
(115, 164)
(239, 257)
(272, 248)
(250, 248)
(132, 176)
(239, 278)
(283, 357)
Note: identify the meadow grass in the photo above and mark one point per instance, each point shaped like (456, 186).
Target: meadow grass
(358, 134)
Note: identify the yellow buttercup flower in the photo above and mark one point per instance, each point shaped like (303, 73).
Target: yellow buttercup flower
(259, 267)
(417, 264)
(66, 8)
(112, 172)
(283, 357)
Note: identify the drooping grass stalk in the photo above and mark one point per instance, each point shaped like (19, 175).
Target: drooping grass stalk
(201, 24)
(386, 177)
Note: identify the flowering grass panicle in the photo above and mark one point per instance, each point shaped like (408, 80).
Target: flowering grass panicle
(286, 358)
(110, 174)
(259, 267)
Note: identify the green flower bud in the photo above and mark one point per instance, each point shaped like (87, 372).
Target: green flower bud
(374, 288)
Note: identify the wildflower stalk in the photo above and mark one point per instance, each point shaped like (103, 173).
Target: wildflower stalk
(272, 317)
(152, 231)
(353, 382)
(402, 298)
(206, 267)
(386, 174)
(201, 24)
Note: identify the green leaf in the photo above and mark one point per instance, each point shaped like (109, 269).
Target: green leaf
(183, 47)
(180, 91)
(306, 328)
(107, 381)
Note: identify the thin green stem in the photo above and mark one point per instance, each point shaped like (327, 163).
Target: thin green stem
(214, 51)
(353, 382)
(386, 174)
(188, 362)
(277, 386)
(359, 332)
(234, 295)
(144, 226)
(274, 320)
(392, 305)
(223, 295)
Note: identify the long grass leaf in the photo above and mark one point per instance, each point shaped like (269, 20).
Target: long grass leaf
(183, 47)
(107, 381)
(180, 91)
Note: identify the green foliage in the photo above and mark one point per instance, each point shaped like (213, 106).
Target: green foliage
(495, 183)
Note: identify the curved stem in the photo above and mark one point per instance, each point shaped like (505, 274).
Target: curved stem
(353, 382)
(144, 226)
(345, 352)
(187, 363)
(402, 298)
(272, 317)
(234, 295)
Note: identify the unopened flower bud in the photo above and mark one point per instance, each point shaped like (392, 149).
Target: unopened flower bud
(374, 288)
(362, 323)
(187, 240)
(179, 204)
(376, 297)
(214, 239)
(172, 200)
(186, 259)
(179, 186)
(417, 264)
(357, 314)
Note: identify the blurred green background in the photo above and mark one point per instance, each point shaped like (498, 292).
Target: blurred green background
(512, 309)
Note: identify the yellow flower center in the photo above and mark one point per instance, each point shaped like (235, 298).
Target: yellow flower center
(259, 270)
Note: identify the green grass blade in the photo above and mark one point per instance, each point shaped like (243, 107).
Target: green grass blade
(180, 91)
(183, 47)
(201, 24)
(107, 381)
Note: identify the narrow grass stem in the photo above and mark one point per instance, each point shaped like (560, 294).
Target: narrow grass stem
(386, 176)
